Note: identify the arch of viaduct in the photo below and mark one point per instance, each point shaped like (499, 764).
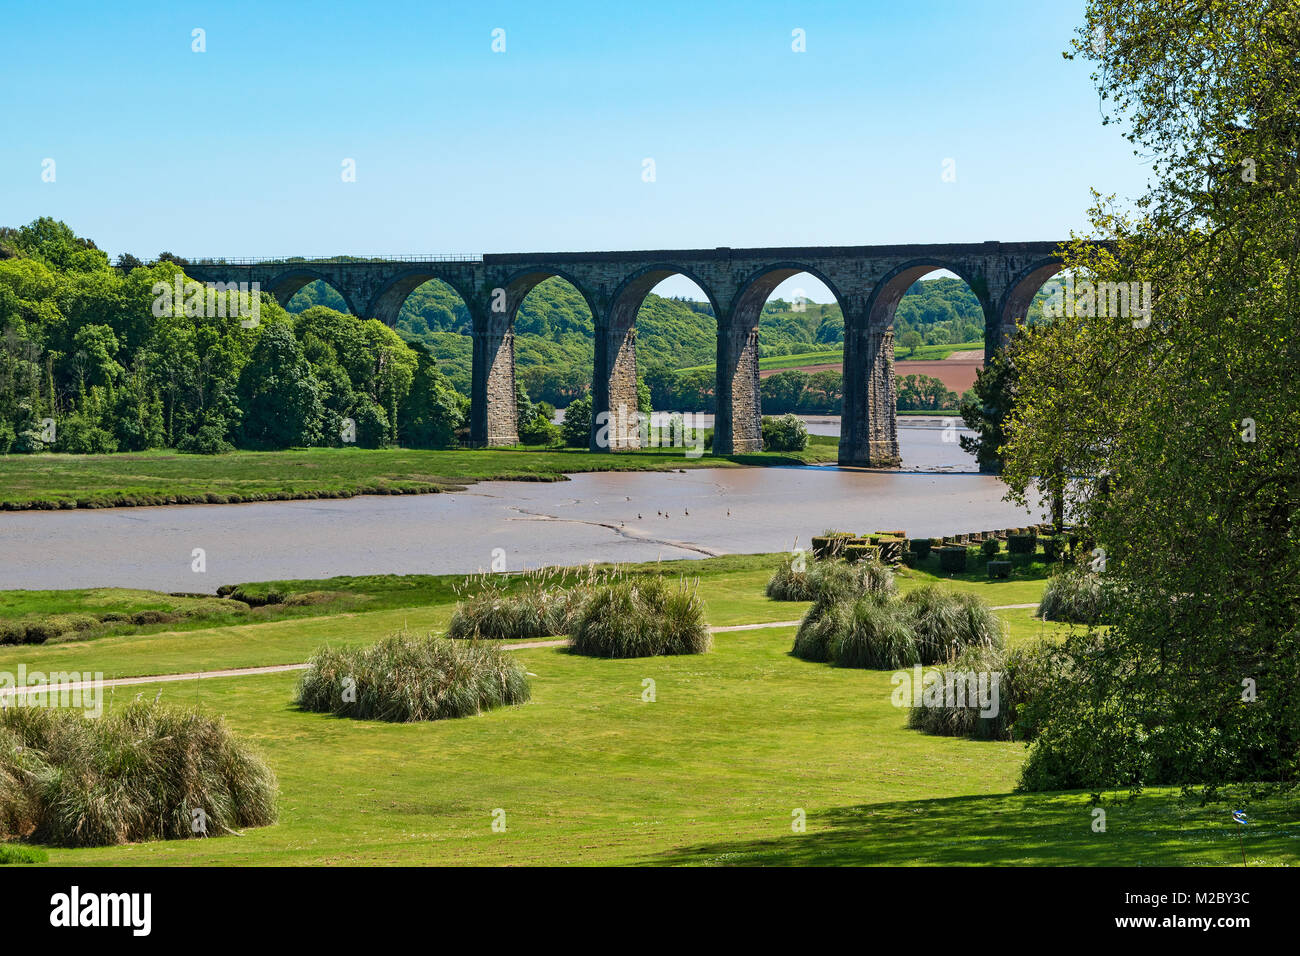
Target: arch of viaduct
(867, 281)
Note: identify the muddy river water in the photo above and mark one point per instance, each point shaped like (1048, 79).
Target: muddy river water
(591, 517)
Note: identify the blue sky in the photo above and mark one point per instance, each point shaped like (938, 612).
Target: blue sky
(239, 150)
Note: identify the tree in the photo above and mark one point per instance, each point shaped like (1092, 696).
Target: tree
(279, 393)
(433, 413)
(576, 426)
(987, 414)
(911, 340)
(1177, 423)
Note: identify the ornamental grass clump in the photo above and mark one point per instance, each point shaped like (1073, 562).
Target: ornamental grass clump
(142, 772)
(865, 630)
(876, 630)
(946, 623)
(1076, 596)
(405, 678)
(547, 603)
(829, 579)
(642, 617)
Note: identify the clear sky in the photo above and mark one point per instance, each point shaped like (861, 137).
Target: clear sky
(240, 150)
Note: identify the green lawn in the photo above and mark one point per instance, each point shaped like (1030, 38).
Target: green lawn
(711, 772)
(737, 741)
(376, 605)
(166, 477)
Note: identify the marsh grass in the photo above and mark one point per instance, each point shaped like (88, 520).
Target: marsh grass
(134, 774)
(405, 678)
(642, 617)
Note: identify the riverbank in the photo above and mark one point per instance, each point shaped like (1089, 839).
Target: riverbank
(147, 479)
(617, 517)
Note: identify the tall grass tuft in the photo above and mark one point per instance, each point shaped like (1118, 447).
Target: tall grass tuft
(642, 617)
(947, 622)
(875, 634)
(869, 630)
(1077, 596)
(404, 678)
(538, 603)
(1024, 672)
(138, 773)
(829, 579)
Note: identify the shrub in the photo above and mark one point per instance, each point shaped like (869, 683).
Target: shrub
(134, 774)
(1054, 547)
(404, 678)
(1022, 543)
(576, 424)
(641, 617)
(952, 558)
(831, 544)
(921, 547)
(947, 622)
(999, 569)
(210, 439)
(539, 430)
(1076, 596)
(787, 433)
(540, 609)
(990, 546)
(857, 551)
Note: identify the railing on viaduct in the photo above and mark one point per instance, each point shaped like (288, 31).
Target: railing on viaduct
(867, 282)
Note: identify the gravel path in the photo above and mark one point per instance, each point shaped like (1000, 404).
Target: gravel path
(68, 686)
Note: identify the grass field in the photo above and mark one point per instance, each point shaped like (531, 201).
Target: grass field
(166, 477)
(356, 610)
(711, 772)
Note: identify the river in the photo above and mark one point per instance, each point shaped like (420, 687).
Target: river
(621, 517)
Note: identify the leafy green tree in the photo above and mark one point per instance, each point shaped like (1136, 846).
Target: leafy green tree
(279, 394)
(576, 426)
(988, 412)
(432, 413)
(1178, 423)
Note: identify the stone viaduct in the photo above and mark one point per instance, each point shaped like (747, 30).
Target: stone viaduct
(867, 281)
